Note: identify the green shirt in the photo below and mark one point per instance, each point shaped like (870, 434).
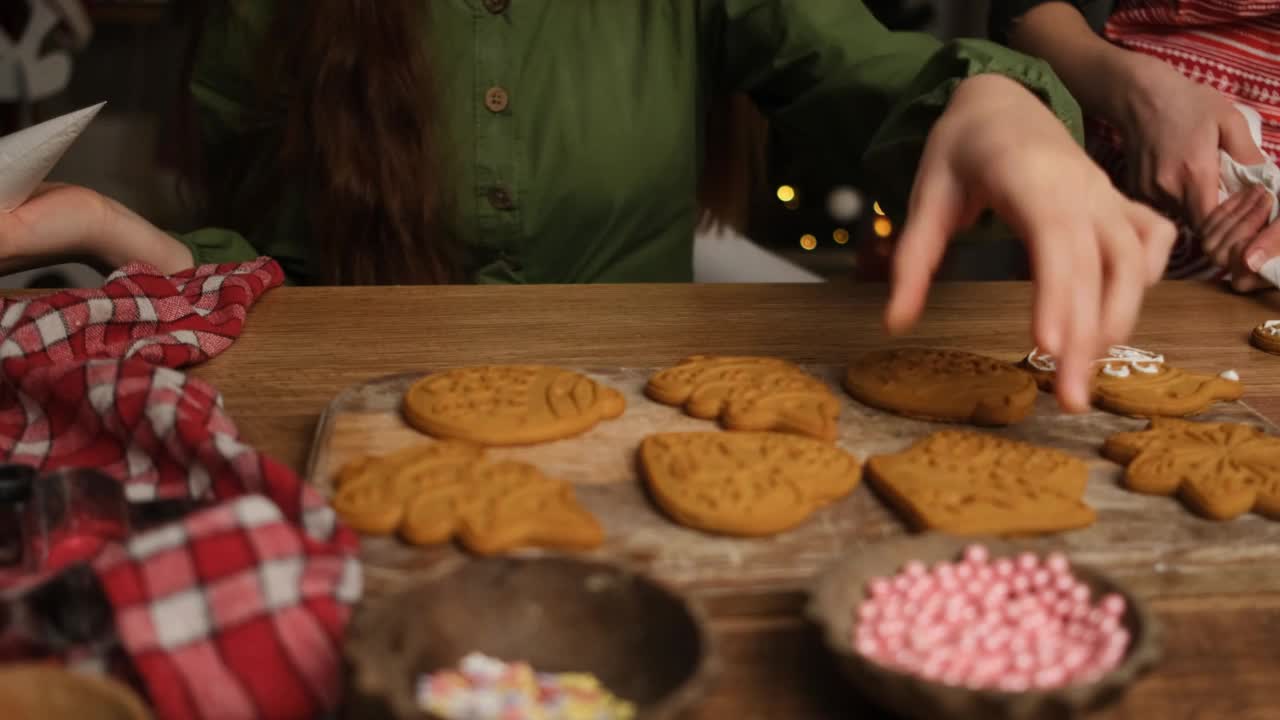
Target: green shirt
(589, 172)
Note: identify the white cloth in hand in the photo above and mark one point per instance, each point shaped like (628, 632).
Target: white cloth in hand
(1234, 177)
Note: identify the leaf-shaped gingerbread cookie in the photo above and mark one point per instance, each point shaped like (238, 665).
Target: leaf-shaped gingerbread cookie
(372, 492)
(433, 492)
(509, 404)
(969, 483)
(745, 483)
(942, 385)
(1220, 470)
(749, 393)
(1139, 383)
(501, 506)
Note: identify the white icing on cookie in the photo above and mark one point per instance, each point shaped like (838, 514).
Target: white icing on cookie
(1271, 327)
(1120, 360)
(1231, 375)
(1141, 360)
(1119, 371)
(1041, 361)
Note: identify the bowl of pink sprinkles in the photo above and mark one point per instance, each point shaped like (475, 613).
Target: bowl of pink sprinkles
(939, 627)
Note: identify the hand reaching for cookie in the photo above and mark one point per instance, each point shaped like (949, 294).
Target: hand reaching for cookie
(1093, 251)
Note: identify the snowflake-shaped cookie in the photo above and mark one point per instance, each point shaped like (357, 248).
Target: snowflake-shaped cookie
(1221, 470)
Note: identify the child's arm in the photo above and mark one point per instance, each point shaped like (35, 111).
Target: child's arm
(961, 129)
(1093, 69)
(1093, 251)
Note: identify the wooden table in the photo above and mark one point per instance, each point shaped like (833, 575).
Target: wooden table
(303, 345)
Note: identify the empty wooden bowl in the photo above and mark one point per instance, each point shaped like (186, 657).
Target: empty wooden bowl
(837, 594)
(645, 643)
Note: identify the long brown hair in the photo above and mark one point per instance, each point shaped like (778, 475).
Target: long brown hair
(359, 123)
(348, 98)
(735, 163)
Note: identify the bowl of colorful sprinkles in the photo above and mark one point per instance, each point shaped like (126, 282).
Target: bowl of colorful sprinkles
(936, 627)
(530, 638)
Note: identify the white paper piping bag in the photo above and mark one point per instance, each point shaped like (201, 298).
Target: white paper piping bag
(27, 156)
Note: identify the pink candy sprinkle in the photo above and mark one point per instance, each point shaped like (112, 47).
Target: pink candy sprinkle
(1021, 584)
(1080, 593)
(1057, 563)
(1113, 605)
(992, 623)
(976, 554)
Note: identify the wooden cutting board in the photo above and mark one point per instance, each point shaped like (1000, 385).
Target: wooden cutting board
(1153, 543)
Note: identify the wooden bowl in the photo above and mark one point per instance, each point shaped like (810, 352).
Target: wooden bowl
(645, 643)
(48, 692)
(837, 594)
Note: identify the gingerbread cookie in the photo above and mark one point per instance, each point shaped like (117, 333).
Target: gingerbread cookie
(1266, 337)
(969, 483)
(509, 404)
(1139, 383)
(943, 385)
(432, 492)
(1220, 470)
(371, 492)
(749, 393)
(745, 484)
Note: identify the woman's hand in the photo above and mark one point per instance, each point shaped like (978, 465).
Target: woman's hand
(1093, 251)
(61, 223)
(1173, 128)
(1257, 259)
(1231, 229)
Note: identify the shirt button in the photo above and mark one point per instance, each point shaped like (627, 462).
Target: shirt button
(496, 99)
(497, 7)
(500, 198)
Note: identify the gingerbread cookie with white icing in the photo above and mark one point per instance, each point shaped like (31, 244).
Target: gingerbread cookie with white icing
(1139, 383)
(1266, 337)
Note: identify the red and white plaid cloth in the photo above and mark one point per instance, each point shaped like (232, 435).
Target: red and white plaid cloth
(238, 610)
(1232, 46)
